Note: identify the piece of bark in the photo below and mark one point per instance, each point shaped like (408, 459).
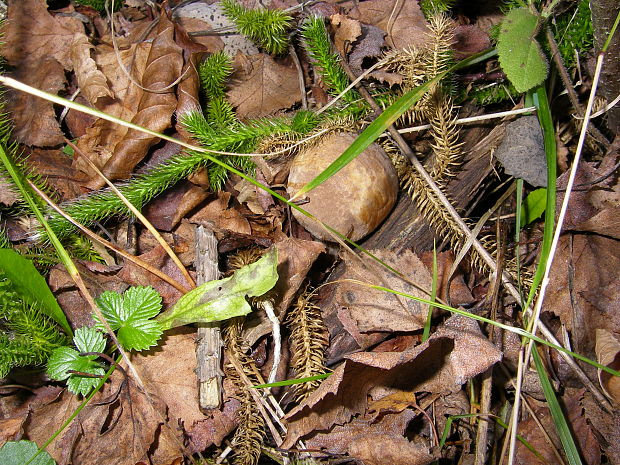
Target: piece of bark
(209, 342)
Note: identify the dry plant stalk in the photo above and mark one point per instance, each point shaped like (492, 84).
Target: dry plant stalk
(248, 437)
(309, 339)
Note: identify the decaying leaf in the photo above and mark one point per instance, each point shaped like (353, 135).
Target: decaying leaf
(403, 22)
(261, 86)
(455, 353)
(92, 82)
(608, 354)
(223, 298)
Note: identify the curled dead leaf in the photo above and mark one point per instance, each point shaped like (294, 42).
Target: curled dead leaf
(607, 350)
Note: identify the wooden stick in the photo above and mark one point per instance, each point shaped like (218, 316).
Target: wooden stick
(209, 348)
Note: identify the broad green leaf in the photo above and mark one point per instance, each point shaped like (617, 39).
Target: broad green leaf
(520, 54)
(130, 315)
(31, 286)
(64, 359)
(224, 298)
(533, 206)
(21, 452)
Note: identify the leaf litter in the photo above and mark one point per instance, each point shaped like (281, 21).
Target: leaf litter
(384, 378)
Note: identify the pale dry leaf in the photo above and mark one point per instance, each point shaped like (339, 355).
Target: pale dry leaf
(33, 33)
(92, 82)
(34, 119)
(403, 21)
(265, 87)
(607, 350)
(347, 32)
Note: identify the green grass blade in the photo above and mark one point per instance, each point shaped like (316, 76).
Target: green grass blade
(429, 317)
(28, 196)
(383, 121)
(289, 382)
(564, 432)
(546, 122)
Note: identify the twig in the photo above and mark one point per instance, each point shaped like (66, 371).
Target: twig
(209, 347)
(267, 305)
(572, 95)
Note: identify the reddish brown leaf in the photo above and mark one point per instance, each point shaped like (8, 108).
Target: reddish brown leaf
(167, 210)
(455, 353)
(262, 86)
(608, 354)
(469, 39)
(407, 25)
(34, 118)
(155, 107)
(32, 33)
(217, 215)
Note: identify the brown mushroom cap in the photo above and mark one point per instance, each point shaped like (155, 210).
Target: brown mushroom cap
(356, 199)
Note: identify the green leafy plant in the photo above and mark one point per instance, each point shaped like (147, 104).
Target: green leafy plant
(224, 298)
(520, 55)
(22, 452)
(267, 28)
(431, 7)
(574, 32)
(30, 317)
(130, 316)
(100, 5)
(80, 371)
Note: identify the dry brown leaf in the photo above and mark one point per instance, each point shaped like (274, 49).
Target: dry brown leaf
(347, 32)
(55, 166)
(606, 424)
(403, 22)
(607, 350)
(361, 309)
(262, 86)
(469, 39)
(218, 216)
(101, 138)
(169, 373)
(166, 211)
(455, 353)
(92, 82)
(156, 106)
(459, 292)
(584, 287)
(368, 46)
(34, 118)
(8, 196)
(32, 34)
(379, 449)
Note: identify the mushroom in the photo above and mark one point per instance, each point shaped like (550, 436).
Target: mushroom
(356, 199)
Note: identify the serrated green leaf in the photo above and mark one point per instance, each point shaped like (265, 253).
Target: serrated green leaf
(533, 206)
(21, 452)
(31, 286)
(520, 54)
(130, 315)
(224, 298)
(64, 359)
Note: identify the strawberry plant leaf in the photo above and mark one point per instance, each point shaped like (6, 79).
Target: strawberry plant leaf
(130, 316)
(520, 54)
(21, 452)
(65, 359)
(224, 298)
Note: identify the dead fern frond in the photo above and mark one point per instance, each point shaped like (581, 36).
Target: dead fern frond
(309, 339)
